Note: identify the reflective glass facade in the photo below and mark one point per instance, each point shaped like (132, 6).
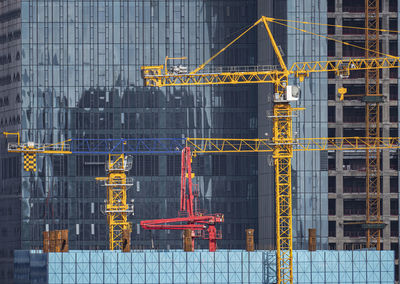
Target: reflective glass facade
(310, 169)
(77, 74)
(81, 78)
(10, 120)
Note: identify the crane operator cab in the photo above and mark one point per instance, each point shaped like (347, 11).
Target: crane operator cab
(292, 94)
(178, 69)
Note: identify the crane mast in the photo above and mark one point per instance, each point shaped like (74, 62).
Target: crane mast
(282, 154)
(116, 208)
(372, 118)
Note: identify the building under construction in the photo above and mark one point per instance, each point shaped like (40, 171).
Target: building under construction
(72, 69)
(347, 184)
(347, 170)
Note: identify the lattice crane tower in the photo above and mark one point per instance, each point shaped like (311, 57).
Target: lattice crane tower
(116, 208)
(372, 99)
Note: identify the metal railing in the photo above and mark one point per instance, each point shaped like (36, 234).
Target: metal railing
(104, 210)
(255, 68)
(36, 147)
(224, 69)
(128, 183)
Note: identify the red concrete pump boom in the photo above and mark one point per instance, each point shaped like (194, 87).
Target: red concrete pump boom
(202, 225)
(186, 178)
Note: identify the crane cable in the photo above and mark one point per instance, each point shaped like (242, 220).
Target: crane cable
(278, 21)
(332, 25)
(336, 40)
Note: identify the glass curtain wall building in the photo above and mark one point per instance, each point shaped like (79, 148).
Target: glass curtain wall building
(310, 169)
(79, 77)
(309, 179)
(10, 120)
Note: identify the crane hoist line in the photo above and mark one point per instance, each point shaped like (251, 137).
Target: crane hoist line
(161, 75)
(283, 143)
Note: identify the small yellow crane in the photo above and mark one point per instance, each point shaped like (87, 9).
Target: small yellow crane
(117, 209)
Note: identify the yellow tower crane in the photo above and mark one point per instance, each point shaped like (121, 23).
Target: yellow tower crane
(117, 209)
(282, 140)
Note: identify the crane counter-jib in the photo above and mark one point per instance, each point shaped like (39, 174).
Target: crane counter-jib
(103, 146)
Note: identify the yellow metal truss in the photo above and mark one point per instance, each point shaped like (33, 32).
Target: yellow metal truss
(30, 150)
(257, 75)
(282, 146)
(372, 119)
(62, 147)
(117, 209)
(283, 153)
(230, 145)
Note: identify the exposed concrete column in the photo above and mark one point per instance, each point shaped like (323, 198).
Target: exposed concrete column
(385, 126)
(385, 6)
(266, 201)
(338, 31)
(338, 6)
(339, 210)
(339, 133)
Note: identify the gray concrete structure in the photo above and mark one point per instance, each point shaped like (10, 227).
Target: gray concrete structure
(347, 195)
(347, 118)
(10, 120)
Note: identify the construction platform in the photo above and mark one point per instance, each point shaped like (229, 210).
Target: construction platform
(201, 266)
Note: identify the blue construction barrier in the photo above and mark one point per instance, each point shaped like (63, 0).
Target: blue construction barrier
(223, 266)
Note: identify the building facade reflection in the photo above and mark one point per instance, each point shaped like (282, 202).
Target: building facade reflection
(81, 78)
